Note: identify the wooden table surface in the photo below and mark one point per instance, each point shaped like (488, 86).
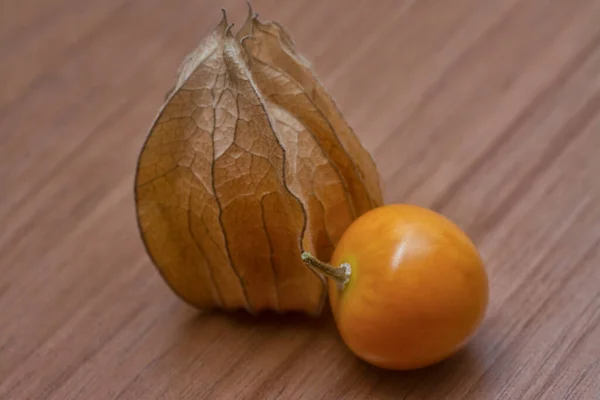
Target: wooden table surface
(487, 111)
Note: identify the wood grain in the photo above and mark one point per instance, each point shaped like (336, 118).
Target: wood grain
(487, 111)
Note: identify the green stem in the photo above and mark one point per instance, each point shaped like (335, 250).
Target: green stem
(340, 274)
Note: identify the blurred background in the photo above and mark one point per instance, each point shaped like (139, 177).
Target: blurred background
(486, 111)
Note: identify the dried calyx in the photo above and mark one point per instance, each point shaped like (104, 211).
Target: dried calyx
(249, 164)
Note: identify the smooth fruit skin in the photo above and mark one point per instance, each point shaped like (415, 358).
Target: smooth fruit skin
(418, 288)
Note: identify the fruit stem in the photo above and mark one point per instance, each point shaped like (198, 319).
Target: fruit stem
(340, 274)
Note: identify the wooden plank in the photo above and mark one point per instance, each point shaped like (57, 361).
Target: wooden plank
(485, 111)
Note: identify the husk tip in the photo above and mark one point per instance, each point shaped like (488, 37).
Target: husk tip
(228, 29)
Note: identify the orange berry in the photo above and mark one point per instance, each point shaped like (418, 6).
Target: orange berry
(417, 289)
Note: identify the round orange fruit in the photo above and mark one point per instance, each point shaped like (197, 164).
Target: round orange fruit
(408, 287)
